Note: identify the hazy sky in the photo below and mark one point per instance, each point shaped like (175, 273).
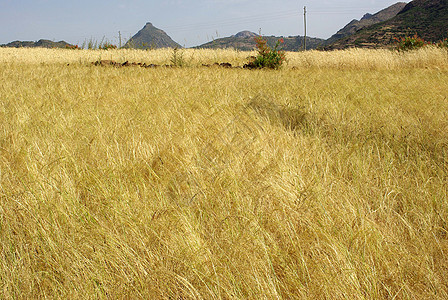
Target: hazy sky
(188, 22)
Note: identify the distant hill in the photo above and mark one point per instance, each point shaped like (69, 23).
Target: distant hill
(245, 41)
(150, 37)
(38, 44)
(426, 18)
(367, 20)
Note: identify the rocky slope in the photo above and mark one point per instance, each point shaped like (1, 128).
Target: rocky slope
(426, 18)
(367, 20)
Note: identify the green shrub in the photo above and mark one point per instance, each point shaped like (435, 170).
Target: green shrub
(107, 46)
(267, 57)
(443, 44)
(72, 47)
(177, 58)
(411, 43)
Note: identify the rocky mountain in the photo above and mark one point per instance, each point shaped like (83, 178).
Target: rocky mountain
(245, 34)
(150, 37)
(426, 18)
(38, 44)
(245, 41)
(367, 20)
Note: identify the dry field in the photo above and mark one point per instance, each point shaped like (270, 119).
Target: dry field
(327, 179)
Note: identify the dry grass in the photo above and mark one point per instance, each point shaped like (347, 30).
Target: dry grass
(326, 181)
(428, 57)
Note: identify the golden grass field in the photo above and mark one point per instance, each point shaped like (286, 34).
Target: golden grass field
(327, 179)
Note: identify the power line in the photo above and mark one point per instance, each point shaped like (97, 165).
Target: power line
(232, 22)
(264, 17)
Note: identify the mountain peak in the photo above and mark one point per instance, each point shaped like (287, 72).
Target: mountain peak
(151, 37)
(245, 34)
(367, 16)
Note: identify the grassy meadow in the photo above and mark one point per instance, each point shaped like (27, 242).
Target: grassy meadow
(327, 179)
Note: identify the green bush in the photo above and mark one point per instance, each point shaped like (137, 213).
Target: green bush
(411, 43)
(177, 58)
(107, 46)
(443, 44)
(267, 57)
(72, 47)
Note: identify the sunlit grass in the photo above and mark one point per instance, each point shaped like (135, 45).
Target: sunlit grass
(428, 57)
(326, 179)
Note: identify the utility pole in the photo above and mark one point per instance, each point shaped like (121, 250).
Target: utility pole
(304, 21)
(119, 38)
